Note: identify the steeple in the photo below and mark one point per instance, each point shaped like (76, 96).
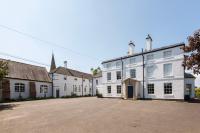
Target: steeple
(53, 64)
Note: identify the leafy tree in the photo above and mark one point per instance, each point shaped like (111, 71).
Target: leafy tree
(192, 59)
(3, 71)
(95, 70)
(197, 92)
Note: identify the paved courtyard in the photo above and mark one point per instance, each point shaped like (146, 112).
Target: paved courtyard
(92, 115)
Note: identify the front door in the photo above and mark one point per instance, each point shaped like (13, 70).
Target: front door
(130, 91)
(188, 90)
(57, 94)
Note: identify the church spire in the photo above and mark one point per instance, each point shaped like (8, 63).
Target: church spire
(53, 64)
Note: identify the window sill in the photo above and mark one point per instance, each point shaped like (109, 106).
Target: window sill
(170, 76)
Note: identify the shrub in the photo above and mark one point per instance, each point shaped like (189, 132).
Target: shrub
(197, 92)
(99, 95)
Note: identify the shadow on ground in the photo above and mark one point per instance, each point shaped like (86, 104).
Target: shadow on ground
(7, 106)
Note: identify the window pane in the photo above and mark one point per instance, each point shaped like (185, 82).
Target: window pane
(167, 69)
(108, 76)
(109, 89)
(118, 75)
(167, 54)
(119, 89)
(133, 73)
(167, 88)
(150, 88)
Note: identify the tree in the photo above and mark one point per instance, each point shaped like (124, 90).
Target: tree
(192, 59)
(95, 70)
(3, 73)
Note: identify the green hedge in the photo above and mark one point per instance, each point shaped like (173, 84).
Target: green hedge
(197, 92)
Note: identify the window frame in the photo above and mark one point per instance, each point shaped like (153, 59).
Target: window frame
(118, 75)
(132, 75)
(109, 89)
(148, 57)
(165, 74)
(168, 89)
(151, 89)
(167, 55)
(109, 76)
(43, 89)
(151, 71)
(119, 87)
(20, 87)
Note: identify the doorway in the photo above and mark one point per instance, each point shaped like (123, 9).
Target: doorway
(57, 93)
(130, 91)
(188, 90)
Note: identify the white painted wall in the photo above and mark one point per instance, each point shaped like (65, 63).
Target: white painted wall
(26, 94)
(158, 78)
(59, 84)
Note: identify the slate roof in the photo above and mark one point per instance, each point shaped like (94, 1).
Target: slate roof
(146, 52)
(18, 70)
(71, 72)
(188, 75)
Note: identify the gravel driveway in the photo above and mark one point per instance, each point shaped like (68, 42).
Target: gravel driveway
(92, 115)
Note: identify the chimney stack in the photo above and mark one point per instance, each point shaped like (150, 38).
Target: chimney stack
(131, 48)
(148, 43)
(65, 64)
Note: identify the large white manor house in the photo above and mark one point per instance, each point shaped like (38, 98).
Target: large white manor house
(151, 74)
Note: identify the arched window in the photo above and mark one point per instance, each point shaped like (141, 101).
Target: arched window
(19, 87)
(43, 89)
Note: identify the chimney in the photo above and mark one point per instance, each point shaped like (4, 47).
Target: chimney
(65, 64)
(131, 48)
(148, 43)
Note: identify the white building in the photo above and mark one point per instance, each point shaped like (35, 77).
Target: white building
(97, 82)
(67, 82)
(25, 81)
(153, 74)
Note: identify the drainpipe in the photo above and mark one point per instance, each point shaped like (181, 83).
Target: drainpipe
(122, 73)
(143, 72)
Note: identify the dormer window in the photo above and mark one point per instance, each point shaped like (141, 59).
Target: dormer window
(108, 65)
(118, 64)
(167, 54)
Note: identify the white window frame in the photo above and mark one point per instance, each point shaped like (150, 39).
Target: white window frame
(165, 74)
(109, 79)
(150, 89)
(117, 72)
(166, 54)
(118, 64)
(165, 87)
(43, 89)
(131, 73)
(150, 72)
(109, 89)
(20, 87)
(132, 60)
(120, 87)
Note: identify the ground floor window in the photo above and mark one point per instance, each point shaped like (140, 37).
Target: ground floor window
(109, 89)
(150, 88)
(119, 89)
(167, 88)
(43, 89)
(19, 87)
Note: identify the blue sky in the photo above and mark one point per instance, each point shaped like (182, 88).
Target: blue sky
(95, 29)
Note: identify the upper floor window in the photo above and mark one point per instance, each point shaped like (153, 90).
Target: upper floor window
(75, 79)
(132, 60)
(167, 88)
(119, 90)
(19, 87)
(150, 88)
(108, 65)
(85, 88)
(97, 82)
(118, 64)
(109, 89)
(118, 75)
(132, 73)
(65, 77)
(150, 57)
(167, 69)
(109, 76)
(43, 89)
(167, 54)
(150, 71)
